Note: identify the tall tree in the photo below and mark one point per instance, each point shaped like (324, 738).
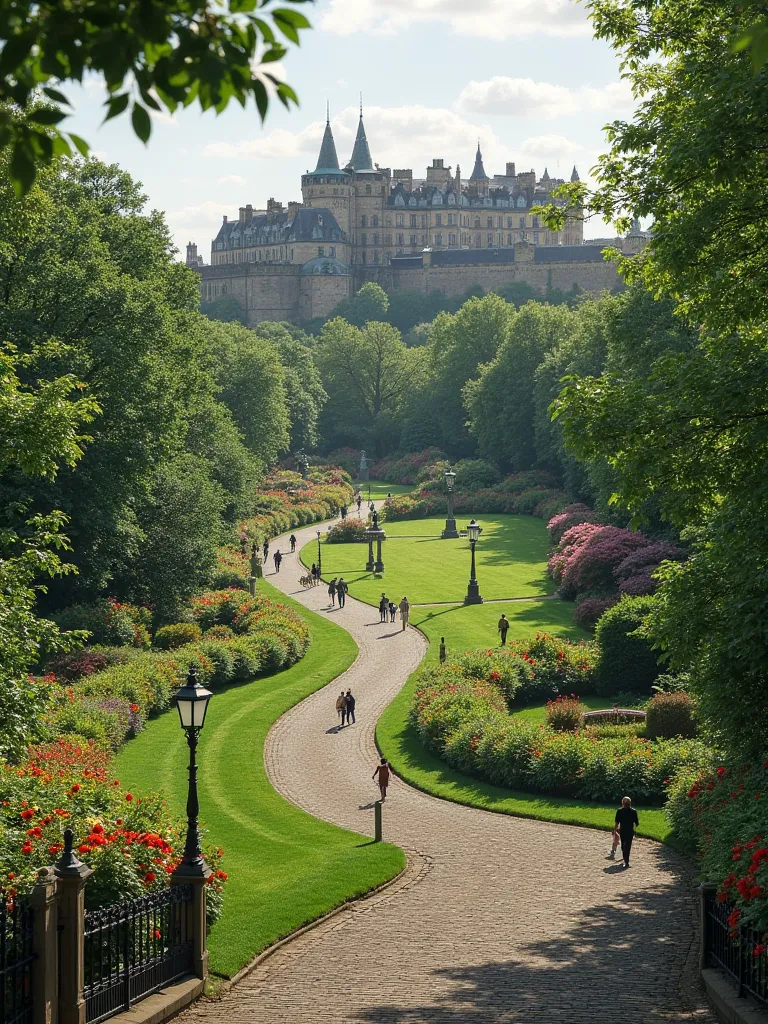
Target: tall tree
(304, 392)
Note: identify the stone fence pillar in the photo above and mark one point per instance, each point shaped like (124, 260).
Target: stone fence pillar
(45, 970)
(196, 920)
(71, 875)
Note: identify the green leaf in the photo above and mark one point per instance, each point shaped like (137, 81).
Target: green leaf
(58, 97)
(141, 122)
(16, 51)
(243, 6)
(261, 97)
(80, 144)
(47, 115)
(22, 169)
(116, 105)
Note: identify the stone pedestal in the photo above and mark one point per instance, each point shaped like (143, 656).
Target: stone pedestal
(45, 970)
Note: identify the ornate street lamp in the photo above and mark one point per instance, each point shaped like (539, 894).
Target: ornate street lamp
(450, 523)
(473, 591)
(319, 556)
(192, 701)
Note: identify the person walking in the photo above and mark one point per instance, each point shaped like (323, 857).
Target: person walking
(277, 559)
(292, 539)
(371, 508)
(343, 511)
(332, 591)
(349, 706)
(359, 502)
(314, 573)
(383, 773)
(392, 611)
(405, 610)
(443, 654)
(627, 821)
(341, 708)
(503, 625)
(383, 608)
(341, 589)
(265, 550)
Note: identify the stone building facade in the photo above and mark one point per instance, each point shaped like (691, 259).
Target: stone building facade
(364, 222)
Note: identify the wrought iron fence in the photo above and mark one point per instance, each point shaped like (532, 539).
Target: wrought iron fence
(135, 948)
(733, 950)
(16, 956)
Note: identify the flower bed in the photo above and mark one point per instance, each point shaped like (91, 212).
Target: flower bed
(287, 502)
(127, 840)
(461, 711)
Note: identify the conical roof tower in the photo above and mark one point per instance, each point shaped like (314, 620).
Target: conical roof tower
(478, 172)
(327, 160)
(361, 154)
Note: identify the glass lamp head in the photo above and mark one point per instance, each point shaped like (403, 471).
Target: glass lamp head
(450, 479)
(192, 702)
(473, 530)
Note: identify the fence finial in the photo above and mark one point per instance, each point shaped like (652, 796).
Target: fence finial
(68, 865)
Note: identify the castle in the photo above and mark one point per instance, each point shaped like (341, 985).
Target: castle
(366, 222)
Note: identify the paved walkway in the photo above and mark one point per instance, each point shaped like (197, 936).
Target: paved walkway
(497, 919)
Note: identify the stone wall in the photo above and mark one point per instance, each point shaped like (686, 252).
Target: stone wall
(590, 276)
(319, 293)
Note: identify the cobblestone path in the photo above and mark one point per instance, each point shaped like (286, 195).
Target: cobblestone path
(497, 919)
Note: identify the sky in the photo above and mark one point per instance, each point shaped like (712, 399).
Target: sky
(524, 77)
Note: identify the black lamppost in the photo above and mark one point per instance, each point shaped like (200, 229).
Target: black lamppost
(473, 590)
(319, 556)
(192, 702)
(450, 523)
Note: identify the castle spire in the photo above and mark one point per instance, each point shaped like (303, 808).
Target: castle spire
(361, 154)
(478, 172)
(327, 160)
(575, 174)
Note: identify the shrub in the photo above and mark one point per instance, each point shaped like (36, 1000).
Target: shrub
(475, 475)
(222, 657)
(625, 660)
(73, 665)
(347, 531)
(556, 666)
(588, 556)
(168, 638)
(109, 622)
(564, 713)
(670, 714)
(571, 515)
(588, 611)
(218, 633)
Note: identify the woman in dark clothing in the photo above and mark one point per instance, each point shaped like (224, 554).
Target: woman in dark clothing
(627, 821)
(383, 608)
(382, 770)
(332, 591)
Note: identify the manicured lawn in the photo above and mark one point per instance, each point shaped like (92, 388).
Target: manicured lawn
(285, 867)
(467, 627)
(511, 561)
(400, 744)
(380, 489)
(538, 712)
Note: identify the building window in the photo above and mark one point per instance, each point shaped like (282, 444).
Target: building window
(363, 221)
(388, 240)
(438, 219)
(375, 257)
(535, 237)
(363, 239)
(413, 239)
(388, 222)
(423, 220)
(367, 192)
(522, 222)
(412, 220)
(375, 221)
(365, 258)
(451, 218)
(509, 239)
(490, 240)
(375, 237)
(535, 222)
(401, 239)
(423, 239)
(320, 251)
(331, 252)
(451, 239)
(439, 238)
(477, 222)
(477, 241)
(335, 191)
(291, 255)
(490, 222)
(509, 222)
(399, 220)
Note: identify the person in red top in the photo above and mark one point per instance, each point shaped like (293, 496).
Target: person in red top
(383, 772)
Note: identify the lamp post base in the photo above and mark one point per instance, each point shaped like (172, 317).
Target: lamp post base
(473, 593)
(450, 531)
(378, 567)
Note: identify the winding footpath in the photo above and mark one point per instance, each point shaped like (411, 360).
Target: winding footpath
(496, 919)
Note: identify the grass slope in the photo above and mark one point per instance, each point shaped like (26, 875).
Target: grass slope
(285, 867)
(380, 489)
(400, 744)
(511, 561)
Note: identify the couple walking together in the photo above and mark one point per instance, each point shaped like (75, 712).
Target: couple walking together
(345, 706)
(387, 607)
(338, 588)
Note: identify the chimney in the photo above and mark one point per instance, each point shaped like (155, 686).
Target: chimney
(249, 212)
(510, 170)
(293, 209)
(242, 215)
(273, 206)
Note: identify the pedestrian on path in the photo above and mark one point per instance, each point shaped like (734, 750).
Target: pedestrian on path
(332, 591)
(405, 611)
(315, 573)
(371, 508)
(626, 820)
(443, 654)
(293, 543)
(383, 772)
(277, 559)
(359, 501)
(383, 608)
(265, 550)
(392, 611)
(503, 625)
(343, 511)
(349, 707)
(341, 589)
(615, 840)
(341, 707)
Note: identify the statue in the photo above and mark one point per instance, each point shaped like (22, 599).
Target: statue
(302, 463)
(363, 474)
(374, 520)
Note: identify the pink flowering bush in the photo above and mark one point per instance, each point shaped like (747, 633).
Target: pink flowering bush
(572, 515)
(590, 555)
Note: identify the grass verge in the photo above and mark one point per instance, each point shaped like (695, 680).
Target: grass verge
(285, 867)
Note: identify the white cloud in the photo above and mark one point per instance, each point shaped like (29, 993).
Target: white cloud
(230, 179)
(206, 215)
(522, 97)
(492, 19)
(550, 147)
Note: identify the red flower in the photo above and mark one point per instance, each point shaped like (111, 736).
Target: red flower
(97, 829)
(26, 815)
(759, 949)
(156, 934)
(27, 847)
(134, 707)
(55, 847)
(84, 848)
(129, 797)
(149, 877)
(721, 771)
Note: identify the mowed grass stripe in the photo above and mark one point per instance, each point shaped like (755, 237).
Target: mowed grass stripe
(285, 867)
